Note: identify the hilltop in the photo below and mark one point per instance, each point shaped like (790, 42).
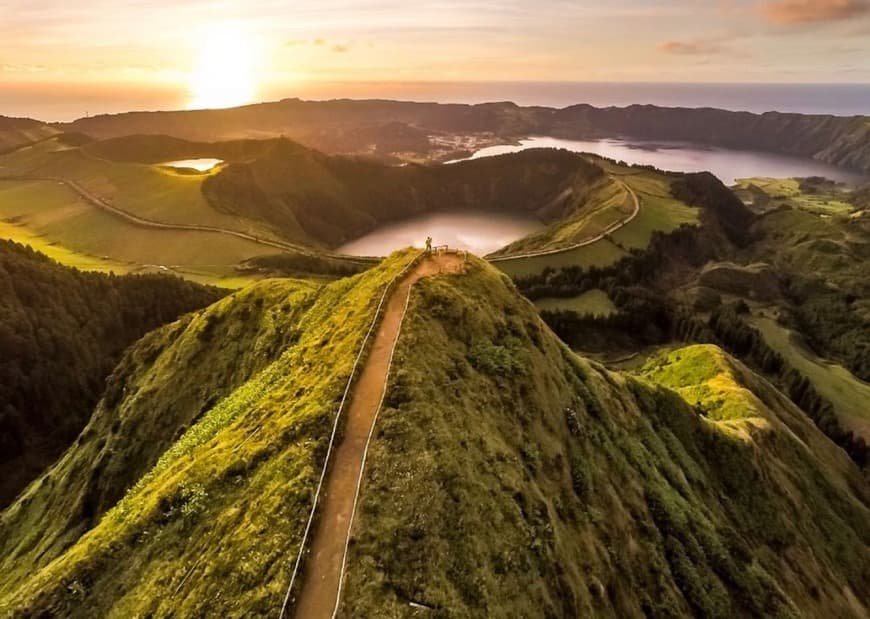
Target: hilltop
(506, 475)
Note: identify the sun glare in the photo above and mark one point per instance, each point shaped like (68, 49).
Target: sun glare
(224, 74)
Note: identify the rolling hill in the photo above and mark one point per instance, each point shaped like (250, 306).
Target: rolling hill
(506, 475)
(18, 132)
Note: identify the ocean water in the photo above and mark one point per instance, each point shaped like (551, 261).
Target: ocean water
(65, 104)
(834, 99)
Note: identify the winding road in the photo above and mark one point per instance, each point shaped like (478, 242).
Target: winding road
(609, 230)
(325, 562)
(104, 205)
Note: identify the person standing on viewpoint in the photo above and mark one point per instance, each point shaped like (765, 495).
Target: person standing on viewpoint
(428, 244)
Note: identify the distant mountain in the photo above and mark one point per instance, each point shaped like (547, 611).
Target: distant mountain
(384, 127)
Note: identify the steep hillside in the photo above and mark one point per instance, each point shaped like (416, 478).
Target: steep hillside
(338, 126)
(163, 148)
(214, 427)
(313, 197)
(511, 478)
(507, 476)
(843, 141)
(61, 333)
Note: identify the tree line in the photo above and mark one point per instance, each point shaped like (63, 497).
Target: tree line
(647, 317)
(62, 331)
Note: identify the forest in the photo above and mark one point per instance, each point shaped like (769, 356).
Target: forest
(62, 331)
(649, 317)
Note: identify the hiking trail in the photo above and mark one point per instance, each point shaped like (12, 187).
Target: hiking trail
(323, 572)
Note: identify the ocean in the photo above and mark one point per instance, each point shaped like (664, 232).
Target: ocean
(836, 99)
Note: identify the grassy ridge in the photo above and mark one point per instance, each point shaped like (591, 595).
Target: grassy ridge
(147, 191)
(510, 478)
(594, 208)
(316, 198)
(659, 211)
(507, 476)
(228, 499)
(842, 389)
(18, 132)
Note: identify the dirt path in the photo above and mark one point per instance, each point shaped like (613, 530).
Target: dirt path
(320, 591)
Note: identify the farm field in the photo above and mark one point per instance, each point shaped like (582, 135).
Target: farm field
(820, 198)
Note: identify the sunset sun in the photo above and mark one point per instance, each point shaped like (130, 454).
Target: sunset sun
(224, 73)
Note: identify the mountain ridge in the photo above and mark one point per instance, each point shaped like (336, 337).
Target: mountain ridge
(506, 473)
(839, 140)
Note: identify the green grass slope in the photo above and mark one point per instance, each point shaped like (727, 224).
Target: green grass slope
(212, 430)
(814, 195)
(848, 394)
(280, 190)
(510, 478)
(507, 476)
(55, 219)
(163, 148)
(147, 191)
(606, 203)
(147, 404)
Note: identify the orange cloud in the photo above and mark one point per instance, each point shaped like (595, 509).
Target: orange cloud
(689, 48)
(795, 12)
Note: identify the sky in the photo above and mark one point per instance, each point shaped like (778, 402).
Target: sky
(220, 52)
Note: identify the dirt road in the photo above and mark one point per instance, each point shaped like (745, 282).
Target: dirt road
(321, 583)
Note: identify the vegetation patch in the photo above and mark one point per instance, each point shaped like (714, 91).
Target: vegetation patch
(594, 302)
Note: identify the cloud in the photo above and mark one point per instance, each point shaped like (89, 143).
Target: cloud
(797, 12)
(689, 48)
(338, 48)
